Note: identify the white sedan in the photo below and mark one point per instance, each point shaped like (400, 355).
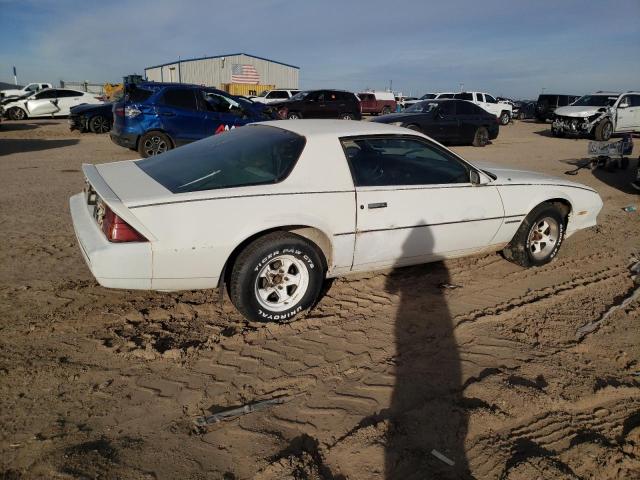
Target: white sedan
(52, 102)
(272, 209)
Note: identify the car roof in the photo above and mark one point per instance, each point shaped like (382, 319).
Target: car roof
(336, 128)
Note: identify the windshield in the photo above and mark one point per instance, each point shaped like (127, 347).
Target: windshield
(300, 95)
(428, 96)
(245, 156)
(596, 101)
(422, 107)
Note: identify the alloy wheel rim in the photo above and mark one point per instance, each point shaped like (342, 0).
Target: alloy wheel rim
(18, 114)
(155, 146)
(281, 283)
(606, 131)
(543, 238)
(101, 124)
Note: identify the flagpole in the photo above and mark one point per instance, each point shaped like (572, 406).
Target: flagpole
(15, 75)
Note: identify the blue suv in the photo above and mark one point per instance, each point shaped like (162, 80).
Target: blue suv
(155, 117)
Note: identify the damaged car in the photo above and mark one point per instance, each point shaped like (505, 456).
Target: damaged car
(274, 208)
(599, 115)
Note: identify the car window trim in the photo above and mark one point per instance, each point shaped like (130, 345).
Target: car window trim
(401, 186)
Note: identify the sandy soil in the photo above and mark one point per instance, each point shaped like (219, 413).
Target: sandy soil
(97, 383)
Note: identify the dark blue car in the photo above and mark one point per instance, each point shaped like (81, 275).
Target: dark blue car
(155, 117)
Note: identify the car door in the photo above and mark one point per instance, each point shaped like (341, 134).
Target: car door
(447, 121)
(415, 202)
(314, 105)
(179, 115)
(68, 99)
(43, 103)
(220, 112)
(628, 113)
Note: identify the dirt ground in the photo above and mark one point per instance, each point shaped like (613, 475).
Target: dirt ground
(389, 367)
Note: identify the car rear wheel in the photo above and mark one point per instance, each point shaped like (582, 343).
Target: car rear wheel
(153, 143)
(276, 278)
(294, 116)
(99, 124)
(505, 118)
(539, 237)
(604, 130)
(347, 116)
(17, 113)
(386, 110)
(481, 137)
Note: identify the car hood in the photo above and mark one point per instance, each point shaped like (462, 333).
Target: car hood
(397, 117)
(511, 176)
(578, 112)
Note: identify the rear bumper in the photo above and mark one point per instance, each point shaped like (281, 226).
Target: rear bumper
(114, 265)
(127, 140)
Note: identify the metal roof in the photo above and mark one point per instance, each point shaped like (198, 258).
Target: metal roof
(221, 56)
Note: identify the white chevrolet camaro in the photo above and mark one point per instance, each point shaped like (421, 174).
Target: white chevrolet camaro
(272, 209)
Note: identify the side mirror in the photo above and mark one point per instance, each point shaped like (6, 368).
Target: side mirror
(623, 105)
(477, 179)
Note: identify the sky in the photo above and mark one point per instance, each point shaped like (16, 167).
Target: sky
(507, 48)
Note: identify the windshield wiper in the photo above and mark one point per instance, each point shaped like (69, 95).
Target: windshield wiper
(492, 175)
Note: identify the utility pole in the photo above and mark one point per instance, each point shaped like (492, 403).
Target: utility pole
(391, 86)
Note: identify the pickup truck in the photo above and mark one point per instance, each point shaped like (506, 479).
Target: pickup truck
(503, 111)
(377, 102)
(19, 92)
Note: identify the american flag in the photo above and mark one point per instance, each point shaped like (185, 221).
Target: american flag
(244, 74)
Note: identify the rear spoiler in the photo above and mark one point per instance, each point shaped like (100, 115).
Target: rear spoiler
(108, 196)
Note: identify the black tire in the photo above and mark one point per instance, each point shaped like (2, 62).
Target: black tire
(386, 110)
(99, 124)
(264, 258)
(153, 143)
(17, 113)
(624, 163)
(522, 248)
(480, 137)
(347, 116)
(415, 127)
(293, 116)
(505, 118)
(604, 130)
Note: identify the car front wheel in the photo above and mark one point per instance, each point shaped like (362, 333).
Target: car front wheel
(17, 114)
(276, 278)
(505, 118)
(153, 143)
(604, 130)
(347, 116)
(99, 124)
(539, 237)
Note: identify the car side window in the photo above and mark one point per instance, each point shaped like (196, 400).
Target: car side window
(467, 108)
(464, 96)
(479, 97)
(489, 99)
(399, 160)
(180, 98)
(46, 94)
(447, 108)
(215, 102)
(68, 93)
(634, 100)
(278, 95)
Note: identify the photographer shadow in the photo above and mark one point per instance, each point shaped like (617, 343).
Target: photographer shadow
(426, 413)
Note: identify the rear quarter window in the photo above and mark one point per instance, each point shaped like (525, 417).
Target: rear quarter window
(252, 155)
(138, 95)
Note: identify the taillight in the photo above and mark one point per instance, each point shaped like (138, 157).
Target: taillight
(117, 230)
(119, 111)
(131, 111)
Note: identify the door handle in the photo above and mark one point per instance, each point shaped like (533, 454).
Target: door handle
(377, 205)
